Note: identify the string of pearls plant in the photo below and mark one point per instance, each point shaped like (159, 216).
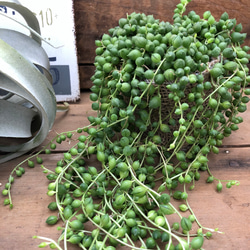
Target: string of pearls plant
(166, 95)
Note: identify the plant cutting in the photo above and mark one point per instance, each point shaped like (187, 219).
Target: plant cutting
(166, 94)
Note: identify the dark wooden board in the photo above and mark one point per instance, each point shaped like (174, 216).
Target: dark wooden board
(96, 17)
(93, 18)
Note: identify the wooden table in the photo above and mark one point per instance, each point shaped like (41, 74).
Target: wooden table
(228, 210)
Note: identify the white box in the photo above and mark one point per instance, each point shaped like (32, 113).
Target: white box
(56, 19)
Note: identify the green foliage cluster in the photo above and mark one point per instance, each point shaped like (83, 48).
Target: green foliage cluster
(166, 95)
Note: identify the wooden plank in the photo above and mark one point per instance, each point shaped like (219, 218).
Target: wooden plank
(229, 210)
(242, 135)
(28, 216)
(76, 117)
(78, 113)
(93, 18)
(85, 74)
(231, 205)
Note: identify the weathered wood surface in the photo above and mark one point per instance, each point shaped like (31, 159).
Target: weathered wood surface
(96, 17)
(77, 115)
(228, 210)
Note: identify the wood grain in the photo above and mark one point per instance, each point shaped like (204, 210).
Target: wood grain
(85, 73)
(78, 112)
(228, 210)
(96, 17)
(93, 18)
(76, 117)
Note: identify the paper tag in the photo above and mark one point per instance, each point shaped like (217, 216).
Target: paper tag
(56, 19)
